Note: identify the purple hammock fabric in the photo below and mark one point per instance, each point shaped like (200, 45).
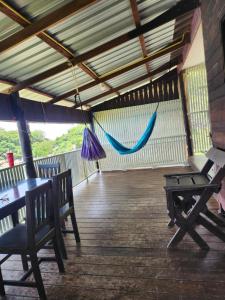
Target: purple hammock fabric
(91, 147)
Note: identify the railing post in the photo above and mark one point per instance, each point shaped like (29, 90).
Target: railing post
(184, 108)
(93, 130)
(23, 135)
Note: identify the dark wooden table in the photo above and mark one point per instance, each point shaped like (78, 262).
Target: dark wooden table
(15, 197)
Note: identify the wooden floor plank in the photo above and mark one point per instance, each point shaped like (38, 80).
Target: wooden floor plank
(123, 226)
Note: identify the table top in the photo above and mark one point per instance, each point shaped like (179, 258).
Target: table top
(14, 197)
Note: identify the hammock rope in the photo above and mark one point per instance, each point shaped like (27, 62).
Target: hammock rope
(120, 148)
(91, 148)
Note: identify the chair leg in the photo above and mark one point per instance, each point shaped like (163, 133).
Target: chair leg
(24, 262)
(58, 256)
(180, 233)
(2, 288)
(37, 276)
(212, 228)
(75, 227)
(61, 243)
(171, 224)
(196, 237)
(63, 226)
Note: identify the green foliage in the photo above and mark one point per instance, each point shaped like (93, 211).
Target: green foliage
(37, 136)
(41, 146)
(69, 141)
(9, 141)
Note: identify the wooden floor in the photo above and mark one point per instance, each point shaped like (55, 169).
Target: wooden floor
(123, 224)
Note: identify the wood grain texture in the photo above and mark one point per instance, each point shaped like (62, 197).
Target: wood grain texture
(212, 14)
(122, 220)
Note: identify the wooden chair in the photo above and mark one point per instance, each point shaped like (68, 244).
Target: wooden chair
(187, 196)
(27, 239)
(64, 207)
(48, 170)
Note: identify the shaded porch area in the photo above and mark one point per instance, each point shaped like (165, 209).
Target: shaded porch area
(122, 220)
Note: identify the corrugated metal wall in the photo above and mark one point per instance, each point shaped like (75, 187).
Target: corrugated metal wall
(167, 145)
(198, 107)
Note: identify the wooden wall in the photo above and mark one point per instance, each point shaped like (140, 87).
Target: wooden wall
(212, 13)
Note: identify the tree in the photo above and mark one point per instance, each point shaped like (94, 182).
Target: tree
(37, 136)
(9, 141)
(72, 139)
(42, 148)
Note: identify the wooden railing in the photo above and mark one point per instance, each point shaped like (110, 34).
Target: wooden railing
(81, 170)
(70, 160)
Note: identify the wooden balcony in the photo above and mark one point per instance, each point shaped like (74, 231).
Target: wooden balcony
(122, 219)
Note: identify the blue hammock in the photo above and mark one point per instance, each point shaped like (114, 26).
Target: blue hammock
(122, 150)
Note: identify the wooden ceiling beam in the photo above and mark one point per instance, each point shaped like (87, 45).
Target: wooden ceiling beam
(44, 23)
(137, 22)
(43, 112)
(162, 68)
(9, 11)
(180, 8)
(175, 45)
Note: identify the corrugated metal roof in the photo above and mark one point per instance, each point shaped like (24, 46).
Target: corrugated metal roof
(7, 27)
(95, 25)
(116, 57)
(128, 76)
(87, 29)
(36, 9)
(28, 59)
(63, 82)
(149, 9)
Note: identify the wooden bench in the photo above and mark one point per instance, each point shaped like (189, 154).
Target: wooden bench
(187, 196)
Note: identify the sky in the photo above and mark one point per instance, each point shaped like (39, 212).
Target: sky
(51, 130)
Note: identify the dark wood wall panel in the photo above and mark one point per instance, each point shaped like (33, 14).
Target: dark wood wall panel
(212, 14)
(163, 89)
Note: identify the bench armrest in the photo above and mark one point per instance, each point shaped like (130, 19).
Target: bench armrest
(182, 174)
(214, 187)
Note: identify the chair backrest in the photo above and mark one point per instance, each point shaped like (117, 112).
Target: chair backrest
(62, 188)
(48, 170)
(39, 210)
(215, 157)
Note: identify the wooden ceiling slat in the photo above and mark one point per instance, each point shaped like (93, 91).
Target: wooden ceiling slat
(179, 9)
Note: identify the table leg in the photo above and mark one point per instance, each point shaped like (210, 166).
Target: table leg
(15, 218)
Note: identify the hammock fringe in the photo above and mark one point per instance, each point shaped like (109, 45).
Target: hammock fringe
(91, 147)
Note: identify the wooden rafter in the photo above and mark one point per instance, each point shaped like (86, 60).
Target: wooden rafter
(46, 37)
(162, 68)
(175, 45)
(44, 23)
(137, 22)
(180, 8)
(34, 90)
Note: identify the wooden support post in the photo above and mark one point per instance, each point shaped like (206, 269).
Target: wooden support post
(23, 135)
(184, 108)
(93, 130)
